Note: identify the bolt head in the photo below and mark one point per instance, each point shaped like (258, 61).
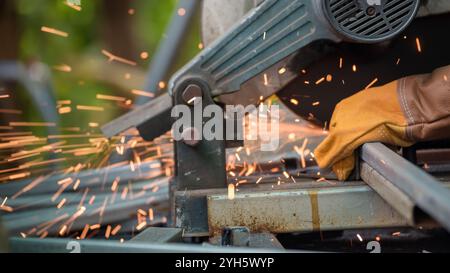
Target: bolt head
(192, 94)
(191, 136)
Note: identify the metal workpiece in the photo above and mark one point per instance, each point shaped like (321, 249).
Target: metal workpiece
(19, 245)
(426, 192)
(296, 208)
(396, 198)
(303, 210)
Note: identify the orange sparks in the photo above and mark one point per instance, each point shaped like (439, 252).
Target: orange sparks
(282, 71)
(64, 110)
(70, 5)
(321, 80)
(266, 80)
(90, 108)
(61, 204)
(4, 96)
(162, 85)
(6, 209)
(294, 102)
(115, 184)
(372, 83)
(84, 232)
(144, 55)
(142, 212)
(63, 230)
(32, 124)
(141, 226)
(19, 176)
(231, 191)
(76, 185)
(116, 230)
(63, 68)
(112, 57)
(181, 12)
(418, 44)
(94, 227)
(113, 98)
(108, 231)
(124, 194)
(142, 93)
(63, 102)
(54, 31)
(354, 68)
(65, 181)
(150, 215)
(341, 62)
(317, 103)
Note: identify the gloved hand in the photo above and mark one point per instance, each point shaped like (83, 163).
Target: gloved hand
(400, 113)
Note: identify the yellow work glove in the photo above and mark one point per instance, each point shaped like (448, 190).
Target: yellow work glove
(372, 115)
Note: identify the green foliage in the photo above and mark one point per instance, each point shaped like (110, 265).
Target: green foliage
(84, 42)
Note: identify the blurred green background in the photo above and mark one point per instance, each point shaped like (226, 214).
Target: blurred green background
(125, 28)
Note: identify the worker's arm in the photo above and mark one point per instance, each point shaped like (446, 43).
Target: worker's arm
(404, 112)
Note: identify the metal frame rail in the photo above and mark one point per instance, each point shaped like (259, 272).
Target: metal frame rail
(398, 181)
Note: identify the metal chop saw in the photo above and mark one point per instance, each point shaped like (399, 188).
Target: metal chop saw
(247, 39)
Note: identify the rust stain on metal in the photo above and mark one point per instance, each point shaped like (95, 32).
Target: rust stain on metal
(315, 217)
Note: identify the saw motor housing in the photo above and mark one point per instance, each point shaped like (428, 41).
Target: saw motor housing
(269, 37)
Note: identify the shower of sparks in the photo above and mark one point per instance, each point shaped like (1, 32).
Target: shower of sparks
(57, 164)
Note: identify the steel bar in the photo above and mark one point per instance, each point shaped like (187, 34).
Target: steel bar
(425, 191)
(19, 245)
(302, 210)
(397, 199)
